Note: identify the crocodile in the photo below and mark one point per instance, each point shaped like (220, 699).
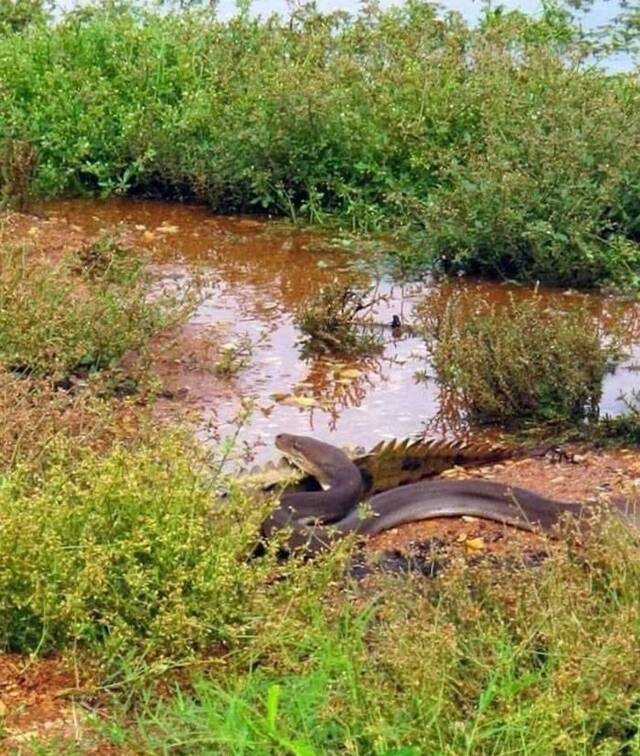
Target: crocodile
(392, 463)
(316, 519)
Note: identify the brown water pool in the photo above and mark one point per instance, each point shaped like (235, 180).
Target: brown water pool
(259, 273)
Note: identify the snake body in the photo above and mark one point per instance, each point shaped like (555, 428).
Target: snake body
(318, 518)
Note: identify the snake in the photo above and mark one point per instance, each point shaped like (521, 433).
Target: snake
(317, 519)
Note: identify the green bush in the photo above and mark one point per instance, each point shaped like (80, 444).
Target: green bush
(72, 315)
(17, 15)
(490, 148)
(519, 362)
(124, 554)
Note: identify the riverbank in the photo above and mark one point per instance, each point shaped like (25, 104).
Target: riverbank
(120, 584)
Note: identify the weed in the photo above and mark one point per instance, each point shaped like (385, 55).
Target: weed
(331, 322)
(18, 164)
(107, 260)
(121, 552)
(519, 362)
(54, 322)
(234, 357)
(17, 15)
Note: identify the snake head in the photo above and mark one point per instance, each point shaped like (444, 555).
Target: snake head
(317, 458)
(294, 448)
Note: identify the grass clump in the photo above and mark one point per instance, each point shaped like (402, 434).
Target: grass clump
(331, 322)
(79, 314)
(519, 362)
(123, 553)
(234, 357)
(489, 658)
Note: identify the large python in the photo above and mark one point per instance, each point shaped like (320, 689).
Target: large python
(318, 518)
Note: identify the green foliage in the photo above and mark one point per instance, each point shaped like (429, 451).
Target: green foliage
(17, 15)
(79, 314)
(123, 554)
(519, 362)
(491, 149)
(486, 659)
(330, 322)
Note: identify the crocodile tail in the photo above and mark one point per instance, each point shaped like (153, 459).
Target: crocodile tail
(400, 461)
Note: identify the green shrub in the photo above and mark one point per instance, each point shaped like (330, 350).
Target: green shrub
(489, 147)
(69, 316)
(17, 15)
(331, 322)
(124, 554)
(519, 362)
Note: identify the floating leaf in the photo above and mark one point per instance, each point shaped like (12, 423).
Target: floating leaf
(301, 401)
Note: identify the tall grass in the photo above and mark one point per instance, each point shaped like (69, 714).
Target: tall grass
(497, 150)
(487, 659)
(82, 313)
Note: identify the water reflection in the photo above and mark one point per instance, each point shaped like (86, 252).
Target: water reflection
(260, 272)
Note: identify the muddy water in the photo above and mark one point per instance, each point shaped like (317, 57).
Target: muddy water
(259, 272)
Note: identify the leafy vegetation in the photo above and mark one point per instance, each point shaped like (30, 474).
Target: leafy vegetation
(490, 148)
(331, 322)
(122, 554)
(234, 357)
(17, 15)
(518, 362)
(79, 314)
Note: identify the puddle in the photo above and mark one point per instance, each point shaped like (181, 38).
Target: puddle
(261, 272)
